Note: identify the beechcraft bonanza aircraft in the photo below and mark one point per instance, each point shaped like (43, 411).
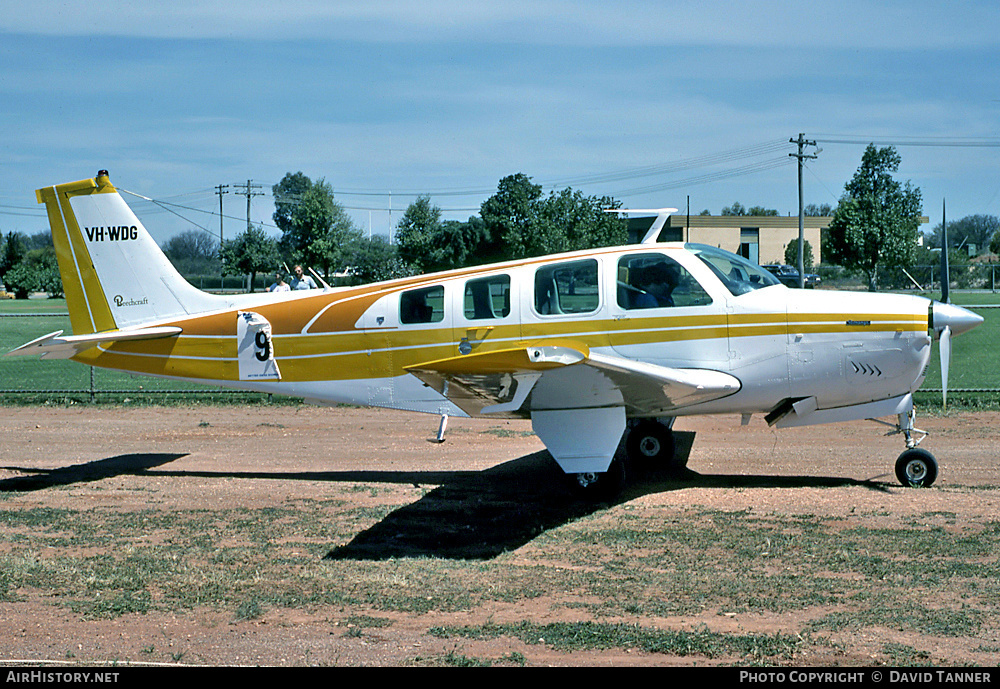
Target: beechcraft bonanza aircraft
(589, 345)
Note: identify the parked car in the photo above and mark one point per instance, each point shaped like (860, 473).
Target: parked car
(790, 276)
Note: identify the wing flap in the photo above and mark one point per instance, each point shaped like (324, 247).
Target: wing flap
(496, 382)
(55, 346)
(499, 382)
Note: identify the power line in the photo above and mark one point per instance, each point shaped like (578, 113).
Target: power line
(933, 141)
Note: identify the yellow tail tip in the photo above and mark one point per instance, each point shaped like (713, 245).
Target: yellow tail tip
(103, 180)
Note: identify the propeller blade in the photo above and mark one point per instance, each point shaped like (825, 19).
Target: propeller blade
(945, 362)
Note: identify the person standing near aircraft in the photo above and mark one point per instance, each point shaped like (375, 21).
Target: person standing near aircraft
(279, 284)
(301, 280)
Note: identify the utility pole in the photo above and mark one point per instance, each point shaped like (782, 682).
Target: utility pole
(945, 273)
(801, 141)
(220, 190)
(248, 191)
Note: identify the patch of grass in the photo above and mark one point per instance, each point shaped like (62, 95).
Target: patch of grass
(589, 636)
(883, 613)
(251, 609)
(111, 606)
(368, 622)
(506, 432)
(452, 658)
(906, 656)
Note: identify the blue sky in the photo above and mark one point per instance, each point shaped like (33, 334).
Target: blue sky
(650, 102)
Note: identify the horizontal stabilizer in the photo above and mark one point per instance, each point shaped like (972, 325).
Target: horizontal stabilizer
(55, 346)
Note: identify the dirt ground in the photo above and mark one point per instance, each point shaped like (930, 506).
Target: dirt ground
(207, 458)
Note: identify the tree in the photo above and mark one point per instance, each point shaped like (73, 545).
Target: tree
(14, 250)
(418, 235)
(738, 209)
(317, 231)
(430, 244)
(193, 252)
(519, 222)
(465, 242)
(38, 240)
(571, 221)
(376, 259)
(875, 224)
(975, 230)
(287, 193)
(37, 271)
(508, 217)
(250, 253)
(821, 211)
(792, 254)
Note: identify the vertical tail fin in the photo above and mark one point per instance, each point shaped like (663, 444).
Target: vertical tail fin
(114, 275)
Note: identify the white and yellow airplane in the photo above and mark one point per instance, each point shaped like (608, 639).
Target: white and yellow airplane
(589, 345)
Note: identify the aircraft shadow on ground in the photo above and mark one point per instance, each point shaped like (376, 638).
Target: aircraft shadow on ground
(39, 479)
(479, 515)
(472, 515)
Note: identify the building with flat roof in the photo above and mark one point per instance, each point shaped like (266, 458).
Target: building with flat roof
(759, 238)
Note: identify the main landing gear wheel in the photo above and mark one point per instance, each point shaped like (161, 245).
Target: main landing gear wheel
(650, 445)
(916, 468)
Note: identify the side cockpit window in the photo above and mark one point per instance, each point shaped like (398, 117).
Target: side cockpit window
(649, 281)
(487, 298)
(424, 305)
(567, 288)
(735, 272)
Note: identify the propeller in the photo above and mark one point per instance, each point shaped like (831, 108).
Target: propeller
(947, 320)
(945, 362)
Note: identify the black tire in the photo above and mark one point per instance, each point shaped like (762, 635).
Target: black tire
(650, 446)
(916, 468)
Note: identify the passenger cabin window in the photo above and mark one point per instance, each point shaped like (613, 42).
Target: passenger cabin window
(650, 281)
(487, 298)
(422, 305)
(570, 287)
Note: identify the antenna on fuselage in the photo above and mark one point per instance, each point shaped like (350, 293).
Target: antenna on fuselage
(654, 231)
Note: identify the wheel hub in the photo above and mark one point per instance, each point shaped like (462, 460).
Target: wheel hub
(916, 470)
(649, 446)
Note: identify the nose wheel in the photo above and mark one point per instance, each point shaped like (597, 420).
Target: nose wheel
(916, 468)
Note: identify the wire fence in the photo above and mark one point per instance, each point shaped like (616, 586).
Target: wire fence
(35, 378)
(983, 277)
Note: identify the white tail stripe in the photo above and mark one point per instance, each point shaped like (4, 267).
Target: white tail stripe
(76, 261)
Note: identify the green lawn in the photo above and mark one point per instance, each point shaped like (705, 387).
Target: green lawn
(34, 373)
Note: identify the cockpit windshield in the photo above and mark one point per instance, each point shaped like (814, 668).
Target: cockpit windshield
(736, 273)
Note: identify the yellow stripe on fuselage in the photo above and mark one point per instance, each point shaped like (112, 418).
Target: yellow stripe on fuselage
(357, 354)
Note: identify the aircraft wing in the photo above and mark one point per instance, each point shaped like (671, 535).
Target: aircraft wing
(55, 346)
(500, 381)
